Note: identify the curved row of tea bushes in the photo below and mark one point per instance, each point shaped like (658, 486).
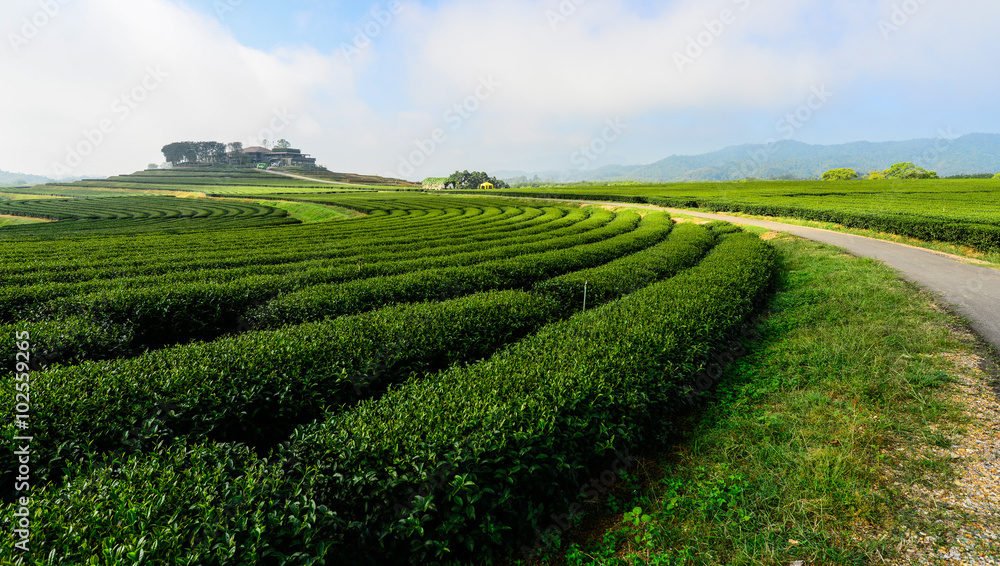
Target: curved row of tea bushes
(257, 387)
(67, 341)
(465, 465)
(304, 245)
(111, 258)
(130, 215)
(213, 504)
(154, 315)
(63, 343)
(117, 208)
(24, 302)
(205, 505)
(849, 210)
(622, 236)
(469, 464)
(687, 243)
(408, 227)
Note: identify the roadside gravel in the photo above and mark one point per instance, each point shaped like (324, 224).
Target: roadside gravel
(966, 514)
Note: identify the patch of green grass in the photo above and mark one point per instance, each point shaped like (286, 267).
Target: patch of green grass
(789, 459)
(21, 196)
(308, 213)
(18, 220)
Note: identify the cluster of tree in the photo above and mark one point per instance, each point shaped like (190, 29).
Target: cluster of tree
(213, 152)
(473, 180)
(195, 152)
(972, 176)
(840, 175)
(907, 171)
(897, 171)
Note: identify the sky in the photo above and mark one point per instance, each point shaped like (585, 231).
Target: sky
(414, 89)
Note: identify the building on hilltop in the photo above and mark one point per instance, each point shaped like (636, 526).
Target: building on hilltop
(279, 157)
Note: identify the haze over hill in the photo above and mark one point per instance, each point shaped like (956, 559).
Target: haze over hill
(8, 179)
(789, 159)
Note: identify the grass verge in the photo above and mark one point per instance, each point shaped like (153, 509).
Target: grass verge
(798, 451)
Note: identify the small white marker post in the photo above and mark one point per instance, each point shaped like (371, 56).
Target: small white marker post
(584, 295)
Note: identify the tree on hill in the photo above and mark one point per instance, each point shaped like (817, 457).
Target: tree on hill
(467, 180)
(909, 171)
(193, 152)
(874, 175)
(174, 152)
(843, 174)
(235, 152)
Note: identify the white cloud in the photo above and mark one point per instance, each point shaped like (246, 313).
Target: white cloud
(557, 85)
(95, 57)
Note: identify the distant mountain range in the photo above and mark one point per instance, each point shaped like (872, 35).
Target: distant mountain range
(969, 154)
(17, 179)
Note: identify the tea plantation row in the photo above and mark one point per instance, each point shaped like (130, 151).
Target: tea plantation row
(418, 385)
(460, 463)
(964, 212)
(157, 310)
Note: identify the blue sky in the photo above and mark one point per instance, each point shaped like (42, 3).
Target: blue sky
(292, 23)
(425, 88)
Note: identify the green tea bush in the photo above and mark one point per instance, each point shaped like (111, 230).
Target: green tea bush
(469, 464)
